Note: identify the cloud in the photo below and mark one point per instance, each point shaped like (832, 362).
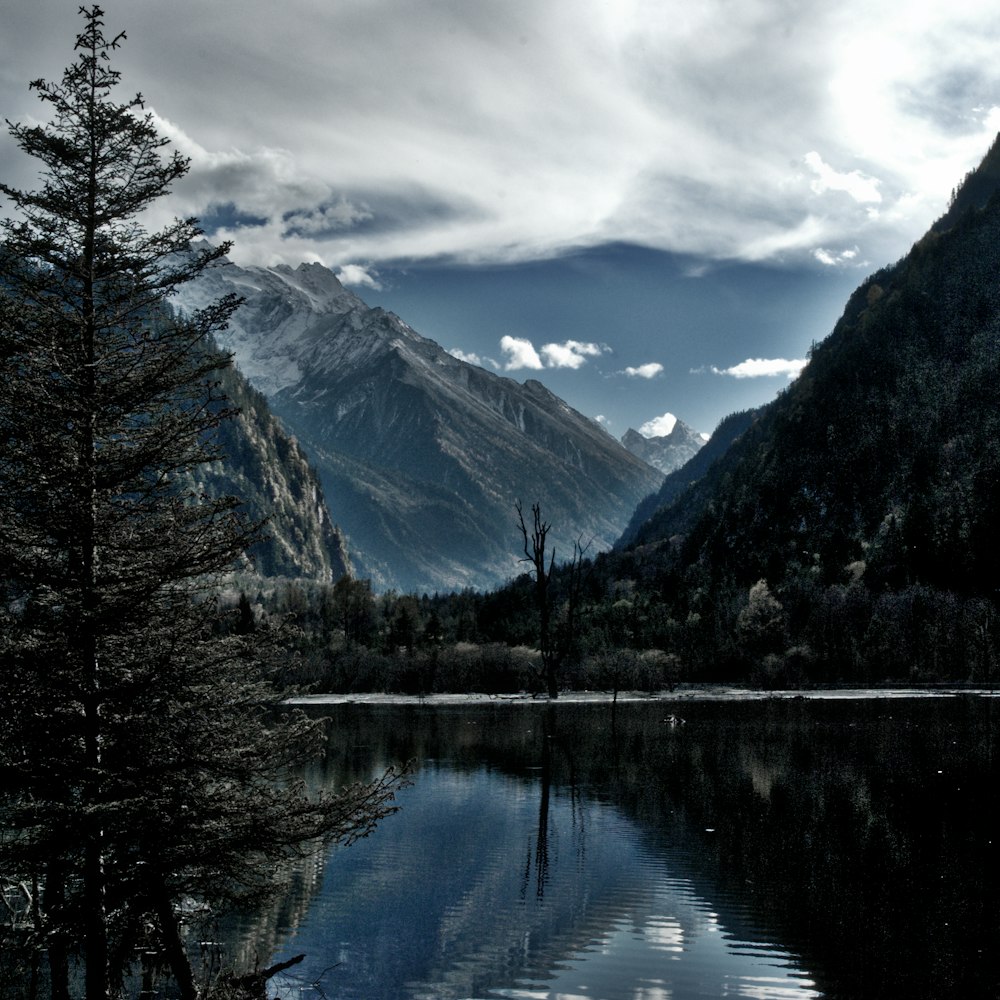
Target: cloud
(388, 130)
(861, 188)
(834, 258)
(763, 368)
(474, 359)
(658, 426)
(326, 219)
(520, 354)
(355, 274)
(573, 354)
(570, 354)
(650, 370)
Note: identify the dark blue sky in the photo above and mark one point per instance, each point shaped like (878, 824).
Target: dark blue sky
(646, 306)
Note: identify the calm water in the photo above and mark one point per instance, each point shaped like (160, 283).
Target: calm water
(762, 850)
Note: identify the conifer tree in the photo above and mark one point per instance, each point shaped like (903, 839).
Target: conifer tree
(139, 764)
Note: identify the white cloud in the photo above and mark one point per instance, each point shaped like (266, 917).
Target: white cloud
(474, 359)
(520, 354)
(355, 274)
(571, 354)
(835, 258)
(763, 368)
(388, 130)
(650, 370)
(861, 188)
(658, 426)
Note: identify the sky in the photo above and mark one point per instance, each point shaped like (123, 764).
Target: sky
(651, 206)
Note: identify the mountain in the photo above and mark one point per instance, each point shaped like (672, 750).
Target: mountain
(644, 520)
(881, 462)
(422, 455)
(268, 470)
(665, 452)
(263, 465)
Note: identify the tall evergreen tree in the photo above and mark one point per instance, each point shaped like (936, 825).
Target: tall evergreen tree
(139, 763)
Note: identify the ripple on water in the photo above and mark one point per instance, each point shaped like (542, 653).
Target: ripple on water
(485, 885)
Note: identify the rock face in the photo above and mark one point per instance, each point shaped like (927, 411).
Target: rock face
(421, 455)
(669, 451)
(268, 470)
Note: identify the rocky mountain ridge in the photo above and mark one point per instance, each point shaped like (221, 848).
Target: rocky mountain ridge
(420, 454)
(267, 468)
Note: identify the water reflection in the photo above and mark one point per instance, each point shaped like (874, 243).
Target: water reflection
(474, 890)
(769, 851)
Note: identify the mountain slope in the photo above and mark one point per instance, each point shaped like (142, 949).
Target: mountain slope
(264, 466)
(422, 455)
(644, 521)
(883, 458)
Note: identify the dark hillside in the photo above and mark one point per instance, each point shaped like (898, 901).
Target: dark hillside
(886, 447)
(885, 452)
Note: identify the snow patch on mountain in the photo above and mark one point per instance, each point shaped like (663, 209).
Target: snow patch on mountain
(668, 450)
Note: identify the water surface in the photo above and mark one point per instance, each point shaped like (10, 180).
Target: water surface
(765, 850)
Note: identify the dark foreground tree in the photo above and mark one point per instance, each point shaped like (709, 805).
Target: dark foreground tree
(141, 764)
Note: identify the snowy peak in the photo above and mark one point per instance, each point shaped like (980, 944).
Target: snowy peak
(668, 451)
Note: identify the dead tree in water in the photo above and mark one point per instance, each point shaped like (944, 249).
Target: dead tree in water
(252, 986)
(554, 648)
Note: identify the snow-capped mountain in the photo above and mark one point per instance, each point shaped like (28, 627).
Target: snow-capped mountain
(421, 455)
(666, 452)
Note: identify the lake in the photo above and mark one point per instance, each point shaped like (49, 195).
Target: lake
(652, 850)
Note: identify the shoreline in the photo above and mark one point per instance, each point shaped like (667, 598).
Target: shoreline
(697, 694)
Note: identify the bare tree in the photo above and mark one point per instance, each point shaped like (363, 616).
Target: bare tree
(554, 643)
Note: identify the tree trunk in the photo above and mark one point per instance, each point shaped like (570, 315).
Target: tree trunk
(173, 946)
(58, 959)
(551, 677)
(95, 928)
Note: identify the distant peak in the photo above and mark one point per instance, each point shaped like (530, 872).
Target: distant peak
(666, 443)
(659, 427)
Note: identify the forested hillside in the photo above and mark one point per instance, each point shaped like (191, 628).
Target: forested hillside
(866, 496)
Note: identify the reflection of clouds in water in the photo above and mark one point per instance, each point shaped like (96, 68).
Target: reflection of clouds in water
(772, 988)
(664, 934)
(442, 902)
(654, 991)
